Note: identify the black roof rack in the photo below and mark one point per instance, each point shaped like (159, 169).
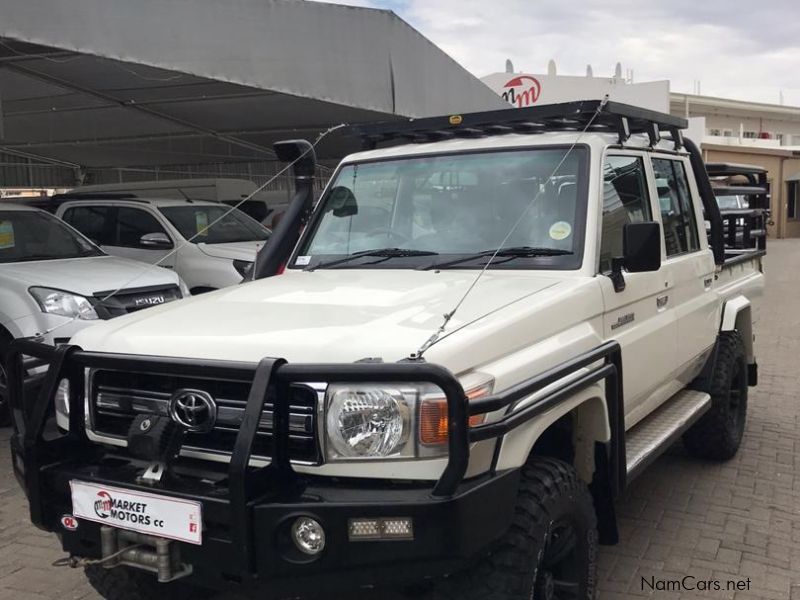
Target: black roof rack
(621, 119)
(96, 196)
(99, 196)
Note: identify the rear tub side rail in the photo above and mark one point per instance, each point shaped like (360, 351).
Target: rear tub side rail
(35, 454)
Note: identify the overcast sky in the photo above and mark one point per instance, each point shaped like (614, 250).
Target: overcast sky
(746, 49)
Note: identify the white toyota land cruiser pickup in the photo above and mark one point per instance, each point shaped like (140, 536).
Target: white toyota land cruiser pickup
(447, 371)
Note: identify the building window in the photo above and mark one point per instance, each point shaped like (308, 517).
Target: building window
(750, 134)
(727, 133)
(793, 200)
(715, 132)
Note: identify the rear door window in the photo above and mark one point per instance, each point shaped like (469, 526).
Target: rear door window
(679, 223)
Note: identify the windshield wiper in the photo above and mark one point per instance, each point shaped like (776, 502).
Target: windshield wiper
(507, 253)
(380, 252)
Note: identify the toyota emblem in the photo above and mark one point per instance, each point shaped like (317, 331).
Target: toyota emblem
(194, 409)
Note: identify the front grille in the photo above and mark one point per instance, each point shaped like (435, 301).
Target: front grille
(131, 300)
(117, 397)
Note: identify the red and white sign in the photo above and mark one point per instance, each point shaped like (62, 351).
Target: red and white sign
(69, 523)
(172, 518)
(523, 90)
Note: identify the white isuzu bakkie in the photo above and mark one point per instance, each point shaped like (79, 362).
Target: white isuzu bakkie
(443, 373)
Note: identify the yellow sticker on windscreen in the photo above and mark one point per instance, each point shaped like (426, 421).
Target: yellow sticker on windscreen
(560, 230)
(6, 235)
(201, 222)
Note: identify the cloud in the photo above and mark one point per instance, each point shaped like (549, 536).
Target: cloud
(736, 49)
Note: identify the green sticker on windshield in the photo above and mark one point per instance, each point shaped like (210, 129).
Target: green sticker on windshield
(6, 235)
(201, 220)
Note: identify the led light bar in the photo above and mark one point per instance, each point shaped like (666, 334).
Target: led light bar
(383, 528)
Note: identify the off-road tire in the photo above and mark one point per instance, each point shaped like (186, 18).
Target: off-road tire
(718, 433)
(550, 492)
(5, 410)
(123, 583)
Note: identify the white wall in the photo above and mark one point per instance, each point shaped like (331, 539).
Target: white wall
(525, 89)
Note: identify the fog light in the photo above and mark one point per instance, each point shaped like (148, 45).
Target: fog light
(308, 536)
(62, 404)
(394, 528)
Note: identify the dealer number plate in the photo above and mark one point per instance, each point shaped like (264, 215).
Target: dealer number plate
(171, 518)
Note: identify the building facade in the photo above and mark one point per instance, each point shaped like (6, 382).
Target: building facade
(753, 133)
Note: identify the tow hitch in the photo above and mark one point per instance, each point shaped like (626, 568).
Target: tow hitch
(128, 548)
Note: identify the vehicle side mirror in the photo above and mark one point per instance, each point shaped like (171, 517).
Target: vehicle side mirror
(641, 251)
(156, 241)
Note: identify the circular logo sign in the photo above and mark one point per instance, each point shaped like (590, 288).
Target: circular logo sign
(194, 409)
(69, 523)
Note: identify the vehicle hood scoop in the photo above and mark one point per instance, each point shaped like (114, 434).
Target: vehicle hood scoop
(336, 315)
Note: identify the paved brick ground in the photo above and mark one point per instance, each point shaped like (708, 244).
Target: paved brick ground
(737, 522)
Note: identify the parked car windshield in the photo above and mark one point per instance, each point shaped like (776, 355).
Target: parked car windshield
(200, 221)
(28, 235)
(454, 205)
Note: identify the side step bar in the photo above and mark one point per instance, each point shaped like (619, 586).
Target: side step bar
(651, 437)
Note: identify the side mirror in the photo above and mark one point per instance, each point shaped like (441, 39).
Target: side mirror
(641, 251)
(156, 241)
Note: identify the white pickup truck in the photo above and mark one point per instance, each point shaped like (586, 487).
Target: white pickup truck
(447, 371)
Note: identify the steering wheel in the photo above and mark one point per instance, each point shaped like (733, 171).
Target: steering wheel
(390, 233)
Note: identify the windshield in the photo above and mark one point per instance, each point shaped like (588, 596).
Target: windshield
(27, 235)
(454, 205)
(199, 220)
(731, 202)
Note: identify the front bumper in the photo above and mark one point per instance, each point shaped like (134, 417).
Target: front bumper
(247, 512)
(447, 531)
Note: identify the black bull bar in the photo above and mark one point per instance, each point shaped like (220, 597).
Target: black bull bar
(32, 405)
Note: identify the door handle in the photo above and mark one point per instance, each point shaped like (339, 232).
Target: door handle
(661, 301)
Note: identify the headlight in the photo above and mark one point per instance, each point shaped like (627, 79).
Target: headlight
(66, 304)
(243, 267)
(393, 421)
(367, 421)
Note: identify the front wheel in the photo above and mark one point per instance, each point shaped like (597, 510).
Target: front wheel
(550, 551)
